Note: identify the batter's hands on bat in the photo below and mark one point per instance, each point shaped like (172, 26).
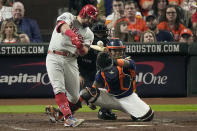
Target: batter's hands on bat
(83, 51)
(76, 42)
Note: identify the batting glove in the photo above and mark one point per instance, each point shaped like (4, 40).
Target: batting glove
(77, 42)
(74, 38)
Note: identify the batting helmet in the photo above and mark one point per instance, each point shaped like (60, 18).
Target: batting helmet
(104, 61)
(89, 10)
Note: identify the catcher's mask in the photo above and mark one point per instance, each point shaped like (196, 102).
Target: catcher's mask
(100, 30)
(89, 10)
(104, 61)
(116, 48)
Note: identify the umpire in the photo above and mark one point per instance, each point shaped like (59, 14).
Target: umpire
(87, 63)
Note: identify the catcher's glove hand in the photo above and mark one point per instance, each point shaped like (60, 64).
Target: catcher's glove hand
(104, 61)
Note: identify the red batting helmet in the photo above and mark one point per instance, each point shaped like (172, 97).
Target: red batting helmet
(90, 10)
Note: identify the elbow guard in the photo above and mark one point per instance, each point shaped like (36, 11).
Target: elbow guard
(59, 24)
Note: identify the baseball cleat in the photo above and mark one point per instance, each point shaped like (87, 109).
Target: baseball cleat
(72, 122)
(106, 114)
(54, 114)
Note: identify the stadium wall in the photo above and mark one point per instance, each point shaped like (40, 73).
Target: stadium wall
(163, 70)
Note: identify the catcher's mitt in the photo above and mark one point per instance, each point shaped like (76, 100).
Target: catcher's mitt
(104, 61)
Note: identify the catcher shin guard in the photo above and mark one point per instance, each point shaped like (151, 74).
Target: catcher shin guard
(147, 117)
(90, 95)
(75, 107)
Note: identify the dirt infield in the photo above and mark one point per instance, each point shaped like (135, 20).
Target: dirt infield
(163, 121)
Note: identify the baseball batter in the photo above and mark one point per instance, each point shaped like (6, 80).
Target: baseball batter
(71, 37)
(114, 86)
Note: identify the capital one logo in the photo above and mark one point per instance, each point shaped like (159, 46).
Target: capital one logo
(149, 77)
(25, 78)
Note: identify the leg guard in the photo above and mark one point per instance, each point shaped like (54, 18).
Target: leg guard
(147, 117)
(63, 104)
(89, 94)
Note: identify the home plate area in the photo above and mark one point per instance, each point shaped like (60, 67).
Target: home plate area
(163, 121)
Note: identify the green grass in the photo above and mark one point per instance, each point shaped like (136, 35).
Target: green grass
(191, 107)
(40, 108)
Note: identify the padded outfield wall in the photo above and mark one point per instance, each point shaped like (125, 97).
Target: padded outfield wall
(163, 70)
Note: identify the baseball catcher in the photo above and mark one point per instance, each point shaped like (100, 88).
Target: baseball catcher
(87, 74)
(114, 86)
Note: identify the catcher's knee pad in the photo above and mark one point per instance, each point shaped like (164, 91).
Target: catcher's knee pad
(147, 117)
(89, 94)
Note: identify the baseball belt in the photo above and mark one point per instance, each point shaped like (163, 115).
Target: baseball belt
(65, 53)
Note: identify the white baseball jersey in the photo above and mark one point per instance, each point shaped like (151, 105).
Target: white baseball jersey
(61, 42)
(63, 70)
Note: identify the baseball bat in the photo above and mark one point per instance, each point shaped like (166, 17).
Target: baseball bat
(99, 46)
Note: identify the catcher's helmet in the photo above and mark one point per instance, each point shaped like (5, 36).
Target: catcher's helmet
(104, 61)
(89, 10)
(115, 43)
(116, 48)
(99, 27)
(100, 30)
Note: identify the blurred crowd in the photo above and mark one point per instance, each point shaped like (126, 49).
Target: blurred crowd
(148, 20)
(144, 21)
(15, 28)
